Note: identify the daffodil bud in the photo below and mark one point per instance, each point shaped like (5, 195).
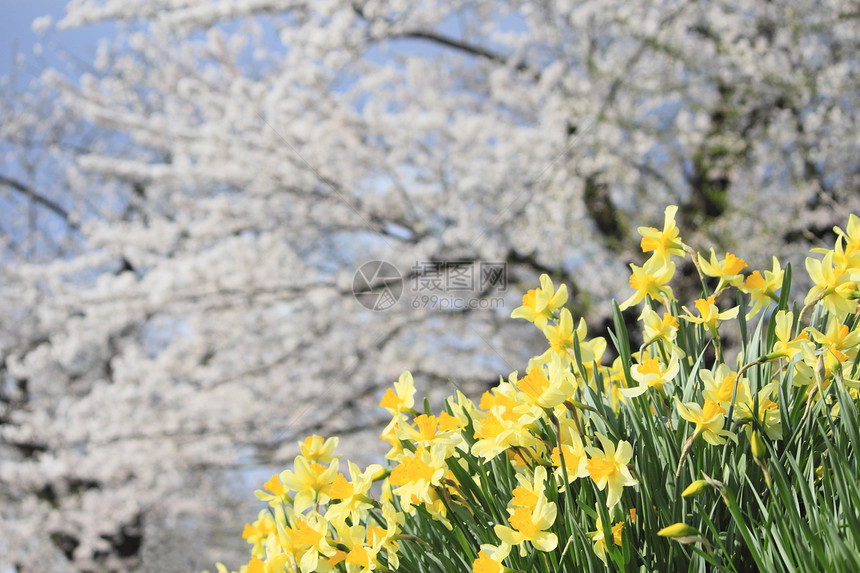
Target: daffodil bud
(678, 530)
(757, 446)
(695, 488)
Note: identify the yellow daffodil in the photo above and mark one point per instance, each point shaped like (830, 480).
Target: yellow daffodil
(652, 279)
(417, 473)
(786, 346)
(600, 540)
(560, 336)
(315, 449)
(709, 420)
(429, 430)
(256, 533)
(561, 341)
(833, 286)
(530, 522)
(397, 401)
(490, 559)
(355, 550)
(274, 492)
(352, 495)
(845, 257)
(720, 385)
(255, 565)
(727, 270)
(527, 492)
(851, 234)
(540, 304)
(608, 468)
(666, 242)
(651, 373)
(401, 397)
(386, 539)
(548, 385)
(767, 414)
(762, 289)
(575, 457)
(306, 541)
(310, 481)
(391, 435)
(709, 315)
(664, 329)
(503, 400)
(839, 341)
(462, 409)
(495, 434)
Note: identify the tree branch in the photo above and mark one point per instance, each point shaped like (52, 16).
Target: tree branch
(40, 199)
(467, 48)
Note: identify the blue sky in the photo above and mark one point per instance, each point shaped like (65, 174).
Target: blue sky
(16, 17)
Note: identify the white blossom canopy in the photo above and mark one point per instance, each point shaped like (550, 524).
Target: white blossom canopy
(183, 215)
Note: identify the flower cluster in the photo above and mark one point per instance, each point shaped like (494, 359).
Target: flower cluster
(579, 462)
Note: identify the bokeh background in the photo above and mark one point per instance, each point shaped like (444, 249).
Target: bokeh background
(192, 193)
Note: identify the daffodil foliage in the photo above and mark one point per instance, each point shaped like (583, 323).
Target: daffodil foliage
(673, 457)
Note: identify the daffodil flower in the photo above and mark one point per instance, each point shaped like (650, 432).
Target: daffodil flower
(490, 559)
(655, 328)
(310, 481)
(721, 384)
(666, 242)
(315, 449)
(354, 550)
(708, 419)
(652, 279)
(727, 270)
(530, 522)
(417, 473)
(651, 373)
(496, 434)
(762, 289)
(352, 495)
(255, 565)
(608, 468)
(274, 492)
(833, 286)
(600, 540)
(845, 257)
(549, 385)
(839, 341)
(785, 346)
(851, 234)
(540, 304)
(429, 430)
(402, 397)
(767, 414)
(308, 541)
(709, 315)
(503, 401)
(256, 533)
(561, 341)
(575, 456)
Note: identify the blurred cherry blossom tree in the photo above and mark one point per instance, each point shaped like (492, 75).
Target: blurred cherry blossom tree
(183, 217)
